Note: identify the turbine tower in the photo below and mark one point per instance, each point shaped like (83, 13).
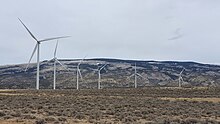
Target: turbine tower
(99, 73)
(136, 75)
(78, 73)
(37, 48)
(180, 77)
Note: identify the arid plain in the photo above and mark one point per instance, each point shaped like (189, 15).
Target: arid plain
(111, 106)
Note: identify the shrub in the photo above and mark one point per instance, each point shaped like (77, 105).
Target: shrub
(191, 121)
(62, 119)
(29, 117)
(7, 117)
(50, 119)
(16, 114)
(40, 121)
(2, 114)
(79, 116)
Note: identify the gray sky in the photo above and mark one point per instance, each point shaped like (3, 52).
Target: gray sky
(184, 30)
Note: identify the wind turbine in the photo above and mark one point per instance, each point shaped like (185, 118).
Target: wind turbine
(37, 48)
(213, 84)
(136, 75)
(55, 60)
(78, 73)
(99, 73)
(180, 77)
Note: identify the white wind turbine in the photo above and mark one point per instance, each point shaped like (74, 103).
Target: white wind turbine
(213, 84)
(180, 79)
(78, 73)
(37, 48)
(55, 60)
(99, 73)
(136, 75)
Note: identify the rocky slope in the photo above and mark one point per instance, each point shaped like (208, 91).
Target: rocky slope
(117, 73)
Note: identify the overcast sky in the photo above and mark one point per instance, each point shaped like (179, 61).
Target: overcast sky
(183, 30)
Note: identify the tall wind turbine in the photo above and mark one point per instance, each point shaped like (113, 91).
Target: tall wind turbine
(37, 48)
(180, 77)
(136, 75)
(99, 73)
(78, 73)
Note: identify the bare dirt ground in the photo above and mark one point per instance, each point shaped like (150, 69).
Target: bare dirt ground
(111, 106)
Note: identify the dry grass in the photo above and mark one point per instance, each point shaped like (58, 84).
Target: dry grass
(214, 100)
(106, 106)
(6, 90)
(11, 94)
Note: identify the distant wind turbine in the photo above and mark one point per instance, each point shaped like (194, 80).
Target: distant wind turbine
(180, 79)
(37, 48)
(55, 60)
(136, 75)
(78, 73)
(213, 84)
(99, 73)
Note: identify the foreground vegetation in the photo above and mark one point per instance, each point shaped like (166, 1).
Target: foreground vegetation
(109, 106)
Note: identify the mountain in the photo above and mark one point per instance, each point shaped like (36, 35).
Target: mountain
(116, 74)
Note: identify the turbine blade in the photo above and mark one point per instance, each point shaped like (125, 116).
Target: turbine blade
(55, 51)
(51, 60)
(131, 76)
(182, 71)
(181, 78)
(102, 67)
(62, 65)
(82, 60)
(59, 62)
(141, 76)
(54, 38)
(28, 30)
(80, 74)
(35, 48)
(85, 57)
